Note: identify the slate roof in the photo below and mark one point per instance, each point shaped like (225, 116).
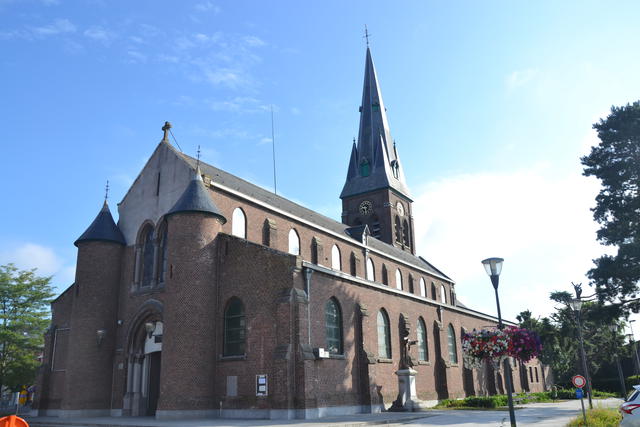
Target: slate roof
(218, 176)
(103, 228)
(196, 198)
(375, 145)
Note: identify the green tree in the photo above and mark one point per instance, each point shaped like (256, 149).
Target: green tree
(615, 161)
(24, 316)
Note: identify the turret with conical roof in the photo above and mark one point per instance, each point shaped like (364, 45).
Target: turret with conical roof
(375, 191)
(196, 198)
(94, 311)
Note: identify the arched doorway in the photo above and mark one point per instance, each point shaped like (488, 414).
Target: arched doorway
(144, 359)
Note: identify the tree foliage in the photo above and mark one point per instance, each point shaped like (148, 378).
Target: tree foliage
(560, 343)
(24, 316)
(615, 161)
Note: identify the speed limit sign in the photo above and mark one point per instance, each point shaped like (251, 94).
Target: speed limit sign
(579, 381)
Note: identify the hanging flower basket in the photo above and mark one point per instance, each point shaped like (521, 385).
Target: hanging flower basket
(494, 346)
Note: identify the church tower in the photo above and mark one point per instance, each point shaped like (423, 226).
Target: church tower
(375, 192)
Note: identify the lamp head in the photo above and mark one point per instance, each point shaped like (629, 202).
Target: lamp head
(493, 267)
(575, 304)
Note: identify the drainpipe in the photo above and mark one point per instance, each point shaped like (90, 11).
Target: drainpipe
(307, 288)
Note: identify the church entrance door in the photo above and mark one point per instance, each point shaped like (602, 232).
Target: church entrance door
(154, 382)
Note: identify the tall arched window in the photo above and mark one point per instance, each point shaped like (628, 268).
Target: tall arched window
(162, 253)
(398, 230)
(535, 369)
(423, 288)
(234, 328)
(333, 326)
(385, 275)
(434, 295)
(371, 273)
(239, 223)
(453, 350)
(405, 233)
(294, 242)
(384, 335)
(336, 262)
(411, 287)
(147, 256)
(443, 294)
(398, 279)
(423, 352)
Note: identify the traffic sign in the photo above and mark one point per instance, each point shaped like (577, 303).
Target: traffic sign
(579, 393)
(579, 381)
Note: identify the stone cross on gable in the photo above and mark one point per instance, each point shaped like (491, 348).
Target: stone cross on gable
(166, 129)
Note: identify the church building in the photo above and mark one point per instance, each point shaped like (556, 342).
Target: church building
(213, 297)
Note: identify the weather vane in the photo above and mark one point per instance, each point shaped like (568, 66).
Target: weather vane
(106, 191)
(198, 156)
(366, 34)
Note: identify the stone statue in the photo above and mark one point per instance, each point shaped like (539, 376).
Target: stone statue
(406, 361)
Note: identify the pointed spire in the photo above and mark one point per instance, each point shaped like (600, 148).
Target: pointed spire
(374, 143)
(103, 228)
(196, 198)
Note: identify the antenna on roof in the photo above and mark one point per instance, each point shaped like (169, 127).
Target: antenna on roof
(366, 34)
(106, 191)
(273, 150)
(198, 156)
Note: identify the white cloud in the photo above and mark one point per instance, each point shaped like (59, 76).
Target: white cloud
(31, 255)
(59, 26)
(99, 33)
(207, 6)
(520, 78)
(239, 104)
(541, 224)
(135, 56)
(254, 41)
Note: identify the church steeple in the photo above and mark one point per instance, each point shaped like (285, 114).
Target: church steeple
(374, 161)
(375, 192)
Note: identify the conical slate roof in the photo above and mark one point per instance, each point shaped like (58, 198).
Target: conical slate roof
(103, 228)
(196, 199)
(374, 162)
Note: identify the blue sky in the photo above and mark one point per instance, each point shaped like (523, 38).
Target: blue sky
(491, 104)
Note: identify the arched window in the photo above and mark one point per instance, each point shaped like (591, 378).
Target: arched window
(423, 288)
(453, 351)
(434, 295)
(385, 275)
(239, 223)
(294, 242)
(336, 262)
(375, 226)
(384, 335)
(398, 229)
(411, 287)
(162, 253)
(147, 255)
(316, 250)
(353, 261)
(371, 273)
(398, 279)
(234, 328)
(423, 352)
(333, 326)
(405, 233)
(535, 369)
(530, 374)
(443, 294)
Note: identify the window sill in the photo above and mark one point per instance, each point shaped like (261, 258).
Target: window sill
(232, 358)
(139, 290)
(382, 360)
(424, 362)
(337, 356)
(451, 365)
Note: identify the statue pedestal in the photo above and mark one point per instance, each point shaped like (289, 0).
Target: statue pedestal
(407, 400)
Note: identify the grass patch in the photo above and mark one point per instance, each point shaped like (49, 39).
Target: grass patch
(598, 417)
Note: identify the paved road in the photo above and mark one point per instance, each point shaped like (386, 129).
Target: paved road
(533, 414)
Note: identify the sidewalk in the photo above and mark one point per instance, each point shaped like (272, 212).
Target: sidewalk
(358, 420)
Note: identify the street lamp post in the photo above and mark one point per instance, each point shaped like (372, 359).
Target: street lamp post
(635, 348)
(576, 305)
(614, 330)
(493, 267)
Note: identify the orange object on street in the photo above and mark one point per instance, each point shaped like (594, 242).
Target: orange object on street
(13, 421)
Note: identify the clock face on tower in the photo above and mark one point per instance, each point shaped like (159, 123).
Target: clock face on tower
(366, 207)
(400, 209)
